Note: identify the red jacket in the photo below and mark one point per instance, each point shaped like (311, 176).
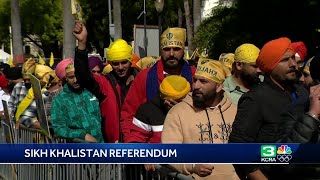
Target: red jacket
(135, 98)
(110, 110)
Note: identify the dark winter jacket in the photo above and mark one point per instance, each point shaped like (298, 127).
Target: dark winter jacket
(258, 119)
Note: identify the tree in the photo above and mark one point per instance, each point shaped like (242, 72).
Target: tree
(68, 24)
(117, 19)
(189, 25)
(16, 33)
(196, 14)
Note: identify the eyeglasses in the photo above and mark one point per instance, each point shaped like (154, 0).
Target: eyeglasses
(118, 63)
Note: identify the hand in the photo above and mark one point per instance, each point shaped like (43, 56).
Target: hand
(315, 100)
(203, 170)
(150, 167)
(80, 33)
(90, 138)
(170, 102)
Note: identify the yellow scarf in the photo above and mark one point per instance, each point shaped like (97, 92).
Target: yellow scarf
(24, 104)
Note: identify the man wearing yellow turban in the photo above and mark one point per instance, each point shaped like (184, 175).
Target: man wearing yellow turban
(26, 113)
(204, 116)
(147, 83)
(306, 78)
(20, 90)
(110, 89)
(245, 72)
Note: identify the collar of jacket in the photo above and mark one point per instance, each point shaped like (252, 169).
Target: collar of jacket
(224, 104)
(230, 86)
(298, 89)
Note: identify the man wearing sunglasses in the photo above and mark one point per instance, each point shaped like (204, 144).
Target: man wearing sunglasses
(110, 89)
(146, 85)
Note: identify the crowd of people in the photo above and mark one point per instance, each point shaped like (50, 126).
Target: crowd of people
(251, 95)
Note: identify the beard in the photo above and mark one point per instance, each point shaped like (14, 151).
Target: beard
(250, 79)
(203, 101)
(27, 85)
(75, 90)
(170, 64)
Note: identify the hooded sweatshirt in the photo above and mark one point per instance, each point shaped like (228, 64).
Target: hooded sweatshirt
(186, 124)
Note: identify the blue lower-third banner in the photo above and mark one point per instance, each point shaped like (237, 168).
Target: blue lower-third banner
(159, 153)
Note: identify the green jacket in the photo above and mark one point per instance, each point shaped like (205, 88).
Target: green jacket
(233, 90)
(74, 115)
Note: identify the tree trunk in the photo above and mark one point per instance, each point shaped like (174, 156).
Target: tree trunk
(189, 25)
(180, 16)
(68, 25)
(117, 19)
(196, 14)
(16, 33)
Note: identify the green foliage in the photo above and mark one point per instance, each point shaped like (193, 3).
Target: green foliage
(256, 22)
(4, 25)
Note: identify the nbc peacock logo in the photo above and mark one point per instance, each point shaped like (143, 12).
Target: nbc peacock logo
(284, 153)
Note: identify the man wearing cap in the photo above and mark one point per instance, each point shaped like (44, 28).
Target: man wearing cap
(146, 85)
(21, 89)
(245, 72)
(75, 111)
(205, 116)
(110, 89)
(259, 110)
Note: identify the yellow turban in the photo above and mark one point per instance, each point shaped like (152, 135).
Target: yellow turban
(174, 87)
(45, 74)
(119, 50)
(28, 67)
(146, 62)
(107, 69)
(173, 37)
(307, 66)
(227, 60)
(211, 69)
(70, 68)
(246, 53)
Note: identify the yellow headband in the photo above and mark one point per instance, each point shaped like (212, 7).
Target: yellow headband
(28, 67)
(119, 50)
(174, 87)
(146, 62)
(246, 53)
(211, 69)
(70, 68)
(227, 60)
(307, 66)
(45, 74)
(173, 37)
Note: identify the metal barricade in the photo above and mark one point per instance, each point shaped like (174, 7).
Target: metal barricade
(75, 171)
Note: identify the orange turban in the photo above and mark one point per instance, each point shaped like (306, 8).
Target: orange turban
(272, 52)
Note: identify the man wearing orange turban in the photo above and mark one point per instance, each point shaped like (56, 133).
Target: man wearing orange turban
(258, 118)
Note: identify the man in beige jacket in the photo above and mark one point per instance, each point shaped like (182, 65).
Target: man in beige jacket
(205, 116)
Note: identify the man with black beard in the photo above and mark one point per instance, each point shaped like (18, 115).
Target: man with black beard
(21, 89)
(245, 72)
(146, 84)
(75, 112)
(205, 116)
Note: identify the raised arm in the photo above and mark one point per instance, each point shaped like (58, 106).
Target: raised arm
(82, 71)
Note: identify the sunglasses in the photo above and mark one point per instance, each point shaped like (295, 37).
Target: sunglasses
(118, 63)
